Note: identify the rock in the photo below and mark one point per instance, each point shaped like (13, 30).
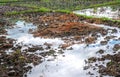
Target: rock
(90, 73)
(109, 37)
(103, 32)
(101, 59)
(48, 53)
(100, 51)
(64, 46)
(92, 59)
(114, 31)
(34, 49)
(12, 73)
(102, 69)
(47, 44)
(90, 40)
(116, 47)
(86, 67)
(103, 42)
(70, 48)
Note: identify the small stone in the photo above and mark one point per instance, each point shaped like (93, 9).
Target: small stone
(92, 59)
(116, 47)
(103, 42)
(101, 51)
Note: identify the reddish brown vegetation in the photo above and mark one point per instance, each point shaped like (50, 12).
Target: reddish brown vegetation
(61, 25)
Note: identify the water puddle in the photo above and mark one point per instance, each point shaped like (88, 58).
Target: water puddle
(68, 62)
(20, 29)
(21, 32)
(108, 12)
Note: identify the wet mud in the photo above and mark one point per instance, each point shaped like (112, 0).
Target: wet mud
(59, 44)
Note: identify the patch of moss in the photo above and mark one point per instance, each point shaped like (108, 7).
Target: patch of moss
(6, 1)
(63, 11)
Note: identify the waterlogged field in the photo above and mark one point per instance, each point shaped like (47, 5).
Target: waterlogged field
(108, 12)
(40, 42)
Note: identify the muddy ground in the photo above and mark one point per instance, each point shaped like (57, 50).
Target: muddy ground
(66, 25)
(15, 63)
(53, 25)
(111, 68)
(34, 17)
(63, 25)
(8, 8)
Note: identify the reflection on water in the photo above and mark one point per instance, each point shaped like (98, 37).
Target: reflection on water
(108, 12)
(21, 29)
(68, 64)
(21, 33)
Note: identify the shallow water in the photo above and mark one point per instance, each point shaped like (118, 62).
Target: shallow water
(70, 63)
(20, 29)
(108, 12)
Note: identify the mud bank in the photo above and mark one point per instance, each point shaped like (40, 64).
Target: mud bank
(63, 25)
(60, 25)
(35, 18)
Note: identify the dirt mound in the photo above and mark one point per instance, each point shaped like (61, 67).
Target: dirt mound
(62, 25)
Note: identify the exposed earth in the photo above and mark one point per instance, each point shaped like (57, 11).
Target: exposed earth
(72, 29)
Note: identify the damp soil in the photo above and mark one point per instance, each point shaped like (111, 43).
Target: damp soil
(63, 25)
(59, 45)
(8, 8)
